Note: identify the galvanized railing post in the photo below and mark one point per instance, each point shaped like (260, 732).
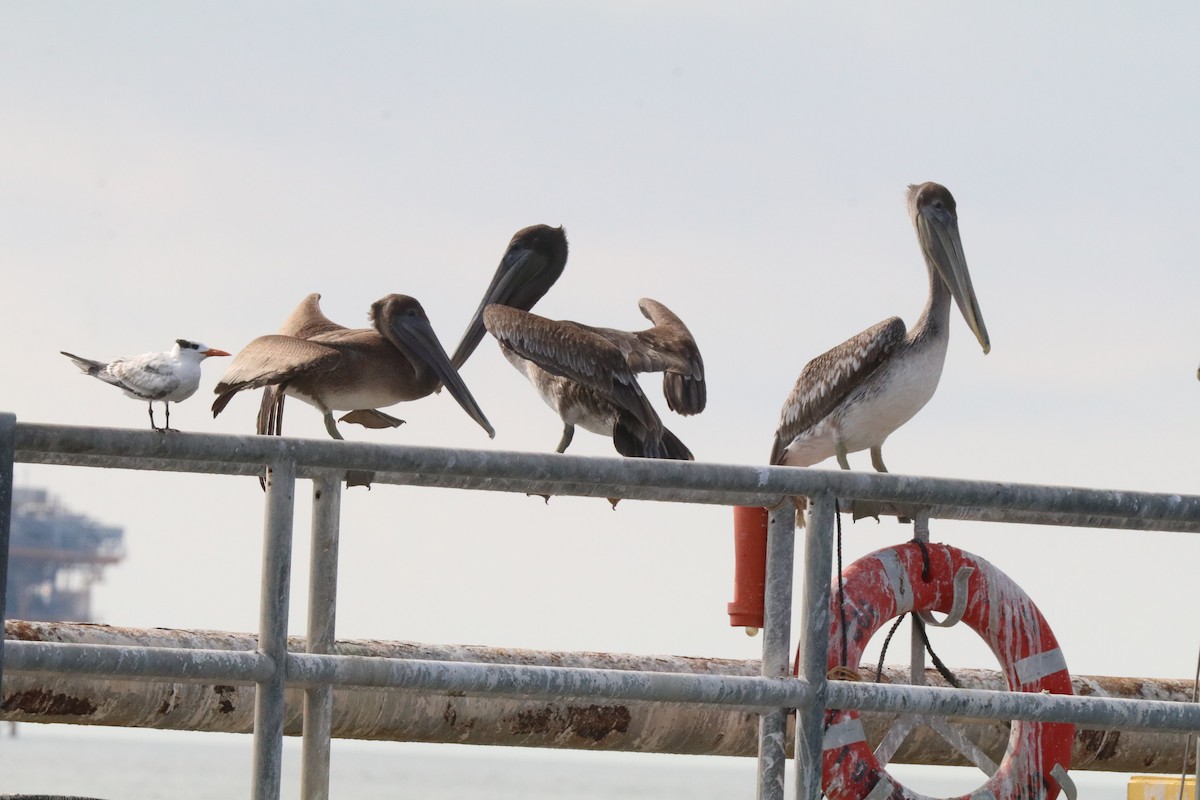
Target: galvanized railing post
(814, 644)
(272, 629)
(322, 607)
(8, 438)
(777, 638)
(917, 641)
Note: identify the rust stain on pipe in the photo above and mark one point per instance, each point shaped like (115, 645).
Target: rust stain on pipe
(39, 702)
(593, 723)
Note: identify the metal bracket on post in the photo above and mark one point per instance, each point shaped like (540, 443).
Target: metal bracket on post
(959, 607)
(921, 526)
(1064, 780)
(272, 629)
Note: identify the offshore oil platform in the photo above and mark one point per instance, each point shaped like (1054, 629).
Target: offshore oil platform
(55, 558)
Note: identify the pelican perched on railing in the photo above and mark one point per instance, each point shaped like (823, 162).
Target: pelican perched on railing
(335, 368)
(587, 375)
(855, 395)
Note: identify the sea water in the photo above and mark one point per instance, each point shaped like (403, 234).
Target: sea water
(124, 764)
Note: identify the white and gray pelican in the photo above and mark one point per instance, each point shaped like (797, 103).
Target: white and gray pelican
(855, 395)
(165, 377)
(587, 375)
(334, 368)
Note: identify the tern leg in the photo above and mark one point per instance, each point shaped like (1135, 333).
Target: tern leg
(565, 441)
(150, 407)
(167, 409)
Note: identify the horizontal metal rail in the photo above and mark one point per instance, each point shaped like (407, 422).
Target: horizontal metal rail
(561, 722)
(115, 661)
(272, 667)
(305, 670)
(650, 479)
(1103, 712)
(530, 681)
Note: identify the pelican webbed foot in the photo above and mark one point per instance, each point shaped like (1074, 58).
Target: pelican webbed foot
(371, 418)
(862, 509)
(359, 477)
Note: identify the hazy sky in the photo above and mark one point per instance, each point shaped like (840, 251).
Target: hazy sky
(194, 171)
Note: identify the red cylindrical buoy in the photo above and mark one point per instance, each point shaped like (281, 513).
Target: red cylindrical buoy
(750, 567)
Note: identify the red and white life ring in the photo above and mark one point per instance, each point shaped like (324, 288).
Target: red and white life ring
(889, 582)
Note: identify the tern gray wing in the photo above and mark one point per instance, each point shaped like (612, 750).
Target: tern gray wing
(150, 376)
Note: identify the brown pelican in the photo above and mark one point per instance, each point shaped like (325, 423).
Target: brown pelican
(587, 375)
(335, 368)
(167, 377)
(852, 397)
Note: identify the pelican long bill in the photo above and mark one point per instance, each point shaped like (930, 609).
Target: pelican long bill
(417, 333)
(532, 262)
(937, 229)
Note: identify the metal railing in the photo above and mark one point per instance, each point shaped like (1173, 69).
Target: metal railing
(773, 695)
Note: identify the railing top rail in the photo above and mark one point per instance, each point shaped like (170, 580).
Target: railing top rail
(552, 473)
